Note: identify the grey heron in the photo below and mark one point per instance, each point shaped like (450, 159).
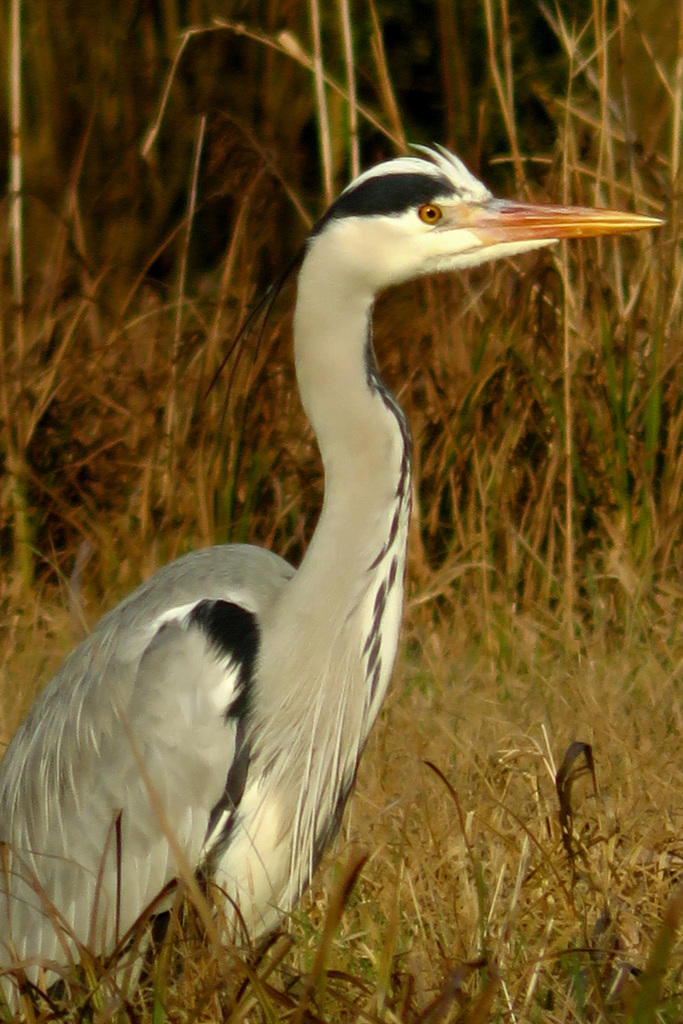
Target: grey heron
(216, 717)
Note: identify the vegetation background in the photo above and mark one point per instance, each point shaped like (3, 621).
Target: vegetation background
(173, 156)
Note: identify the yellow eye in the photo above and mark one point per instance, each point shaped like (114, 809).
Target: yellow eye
(430, 214)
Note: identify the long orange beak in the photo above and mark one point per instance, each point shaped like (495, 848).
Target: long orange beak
(501, 220)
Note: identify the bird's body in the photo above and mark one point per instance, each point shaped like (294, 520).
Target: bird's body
(124, 699)
(214, 720)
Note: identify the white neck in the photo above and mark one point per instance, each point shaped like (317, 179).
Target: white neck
(335, 632)
(359, 435)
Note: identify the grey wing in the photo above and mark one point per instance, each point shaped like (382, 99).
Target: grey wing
(124, 762)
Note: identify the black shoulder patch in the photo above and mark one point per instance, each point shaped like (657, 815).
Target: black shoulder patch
(231, 797)
(233, 632)
(387, 194)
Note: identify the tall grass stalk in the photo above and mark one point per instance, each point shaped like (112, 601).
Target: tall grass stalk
(14, 398)
(568, 408)
(391, 111)
(349, 64)
(567, 374)
(171, 410)
(15, 204)
(153, 130)
(676, 161)
(324, 133)
(504, 82)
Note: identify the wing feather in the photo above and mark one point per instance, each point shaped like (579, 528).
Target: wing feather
(141, 722)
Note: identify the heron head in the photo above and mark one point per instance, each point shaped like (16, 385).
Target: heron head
(425, 214)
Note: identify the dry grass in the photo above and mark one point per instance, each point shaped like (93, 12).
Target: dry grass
(458, 813)
(484, 871)
(544, 587)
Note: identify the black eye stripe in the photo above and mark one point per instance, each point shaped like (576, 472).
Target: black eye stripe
(388, 194)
